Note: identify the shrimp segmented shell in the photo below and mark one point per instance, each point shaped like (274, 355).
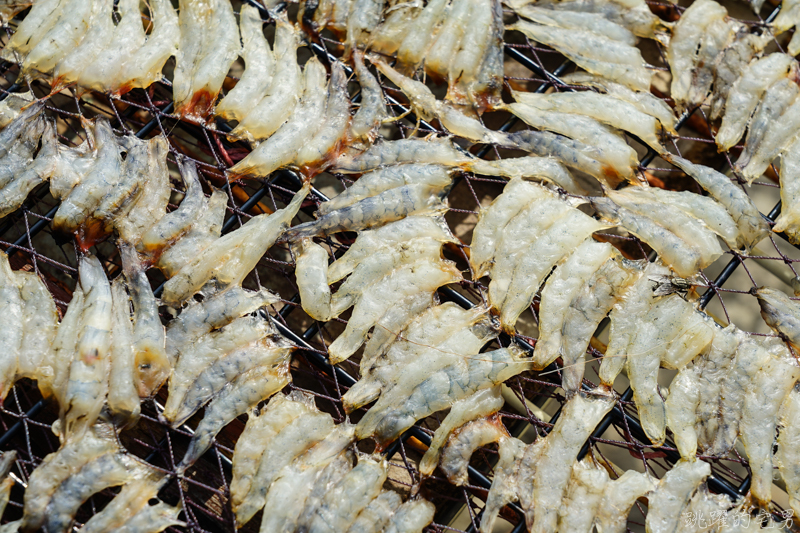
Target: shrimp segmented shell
(786, 458)
(259, 68)
(574, 300)
(621, 495)
(673, 493)
(465, 441)
(201, 62)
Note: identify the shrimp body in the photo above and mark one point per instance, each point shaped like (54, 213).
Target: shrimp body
(574, 300)
(231, 257)
(621, 496)
(259, 68)
(464, 442)
(673, 493)
(583, 497)
(201, 63)
(143, 67)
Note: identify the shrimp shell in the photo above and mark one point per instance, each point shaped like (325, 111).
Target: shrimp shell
(372, 111)
(230, 258)
(374, 517)
(786, 458)
(346, 499)
(123, 398)
(481, 404)
(465, 441)
(504, 487)
(592, 52)
(209, 44)
(259, 68)
(143, 67)
(284, 91)
(673, 493)
(558, 452)
(746, 92)
(621, 495)
(583, 497)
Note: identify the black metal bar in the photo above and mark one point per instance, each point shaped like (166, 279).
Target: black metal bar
(32, 412)
(35, 229)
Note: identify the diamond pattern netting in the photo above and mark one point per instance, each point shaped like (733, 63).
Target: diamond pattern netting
(533, 399)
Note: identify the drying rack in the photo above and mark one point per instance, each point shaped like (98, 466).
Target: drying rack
(534, 398)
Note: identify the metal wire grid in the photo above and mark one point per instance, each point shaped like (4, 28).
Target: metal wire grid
(203, 491)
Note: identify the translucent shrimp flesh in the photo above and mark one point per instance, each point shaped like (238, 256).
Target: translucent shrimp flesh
(583, 497)
(287, 495)
(103, 74)
(644, 101)
(788, 17)
(84, 465)
(542, 253)
(231, 257)
(788, 221)
(781, 314)
(61, 39)
(598, 54)
(259, 68)
(411, 517)
(143, 67)
(621, 495)
(284, 91)
(746, 93)
(686, 42)
(574, 300)
(217, 359)
(609, 144)
(87, 384)
(215, 311)
(417, 39)
(422, 277)
(129, 506)
(464, 442)
(772, 129)
(422, 391)
(203, 232)
(374, 517)
(682, 255)
(152, 367)
(151, 204)
(624, 320)
(751, 225)
(731, 63)
(311, 272)
(548, 169)
(236, 398)
(328, 141)
(209, 44)
(346, 499)
(41, 18)
(671, 325)
(762, 401)
(698, 214)
(427, 107)
(384, 207)
(261, 428)
(673, 493)
(7, 461)
(475, 77)
(123, 398)
(98, 38)
(448, 38)
(13, 105)
(604, 108)
(104, 175)
(567, 18)
(432, 150)
(171, 226)
(558, 452)
(505, 484)
(372, 111)
(434, 326)
(281, 148)
(481, 404)
(363, 18)
(283, 432)
(11, 336)
(587, 158)
(787, 458)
